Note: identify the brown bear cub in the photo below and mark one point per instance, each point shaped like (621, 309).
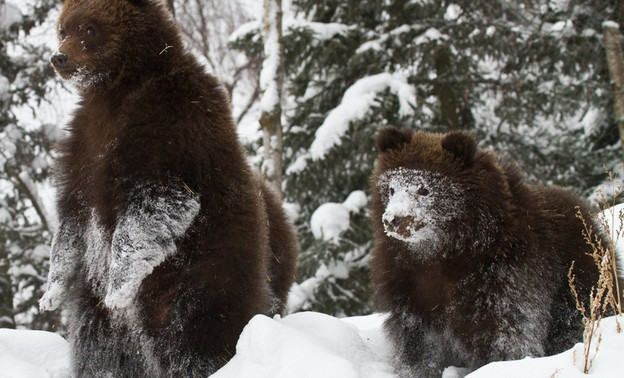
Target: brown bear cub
(471, 261)
(168, 243)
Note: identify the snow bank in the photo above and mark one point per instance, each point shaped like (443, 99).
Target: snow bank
(314, 345)
(608, 362)
(308, 345)
(30, 354)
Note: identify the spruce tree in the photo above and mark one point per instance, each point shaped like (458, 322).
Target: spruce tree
(529, 78)
(25, 155)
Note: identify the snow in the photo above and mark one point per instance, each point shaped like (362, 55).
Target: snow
(9, 15)
(314, 345)
(270, 67)
(356, 102)
(610, 24)
(4, 88)
(453, 11)
(325, 30)
(332, 219)
(608, 361)
(432, 34)
(29, 354)
(308, 345)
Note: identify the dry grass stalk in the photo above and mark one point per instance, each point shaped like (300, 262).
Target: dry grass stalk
(605, 297)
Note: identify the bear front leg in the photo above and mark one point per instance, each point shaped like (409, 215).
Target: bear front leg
(144, 237)
(67, 246)
(419, 350)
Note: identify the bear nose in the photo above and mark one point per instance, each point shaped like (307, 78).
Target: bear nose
(393, 223)
(58, 59)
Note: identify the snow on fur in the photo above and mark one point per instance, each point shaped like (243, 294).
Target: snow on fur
(144, 238)
(414, 194)
(63, 258)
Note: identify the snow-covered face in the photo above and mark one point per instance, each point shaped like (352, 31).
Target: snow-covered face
(419, 208)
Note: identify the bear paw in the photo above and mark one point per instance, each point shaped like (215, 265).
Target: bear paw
(52, 298)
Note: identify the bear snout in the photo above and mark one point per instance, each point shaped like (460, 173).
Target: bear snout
(402, 225)
(59, 60)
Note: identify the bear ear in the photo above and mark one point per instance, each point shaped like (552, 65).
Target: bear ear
(391, 138)
(461, 145)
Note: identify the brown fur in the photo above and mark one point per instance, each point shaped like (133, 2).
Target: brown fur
(494, 284)
(151, 122)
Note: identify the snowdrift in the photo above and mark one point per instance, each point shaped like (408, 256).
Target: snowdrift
(314, 345)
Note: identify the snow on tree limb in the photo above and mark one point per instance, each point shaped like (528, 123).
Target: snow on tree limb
(269, 75)
(355, 104)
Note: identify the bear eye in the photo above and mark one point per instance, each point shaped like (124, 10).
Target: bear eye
(422, 191)
(90, 31)
(62, 34)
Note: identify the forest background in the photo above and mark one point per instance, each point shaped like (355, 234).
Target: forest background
(530, 78)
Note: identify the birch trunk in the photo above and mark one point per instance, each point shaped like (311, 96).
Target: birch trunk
(271, 83)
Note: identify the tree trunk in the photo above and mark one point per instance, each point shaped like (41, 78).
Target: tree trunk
(447, 95)
(271, 83)
(615, 60)
(6, 292)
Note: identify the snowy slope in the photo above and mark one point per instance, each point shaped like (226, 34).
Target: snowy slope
(314, 345)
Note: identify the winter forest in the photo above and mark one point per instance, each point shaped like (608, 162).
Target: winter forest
(310, 86)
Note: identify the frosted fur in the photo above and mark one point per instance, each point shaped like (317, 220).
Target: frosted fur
(97, 255)
(470, 260)
(429, 198)
(84, 78)
(182, 242)
(64, 256)
(144, 237)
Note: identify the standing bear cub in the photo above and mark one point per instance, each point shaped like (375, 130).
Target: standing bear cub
(168, 243)
(470, 261)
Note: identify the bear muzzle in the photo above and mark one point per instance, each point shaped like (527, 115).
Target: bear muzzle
(59, 60)
(403, 226)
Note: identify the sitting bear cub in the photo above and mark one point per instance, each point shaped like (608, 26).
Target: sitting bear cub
(470, 261)
(168, 242)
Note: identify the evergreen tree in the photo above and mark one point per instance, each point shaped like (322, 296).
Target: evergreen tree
(25, 148)
(528, 77)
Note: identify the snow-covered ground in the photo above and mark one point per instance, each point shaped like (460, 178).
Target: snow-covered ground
(314, 345)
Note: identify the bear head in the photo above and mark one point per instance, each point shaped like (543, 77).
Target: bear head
(103, 43)
(436, 194)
